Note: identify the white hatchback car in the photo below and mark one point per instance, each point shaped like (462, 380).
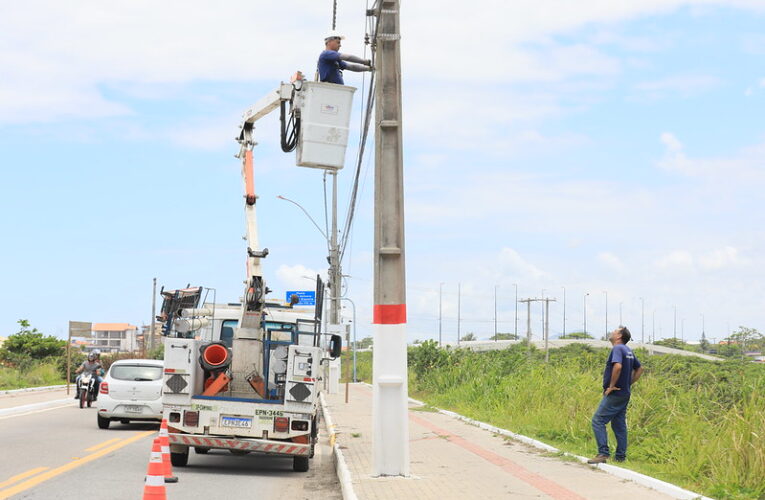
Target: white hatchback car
(131, 390)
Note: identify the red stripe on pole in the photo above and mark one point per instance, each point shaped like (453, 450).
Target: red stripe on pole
(389, 314)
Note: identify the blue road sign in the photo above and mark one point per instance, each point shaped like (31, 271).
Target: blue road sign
(307, 297)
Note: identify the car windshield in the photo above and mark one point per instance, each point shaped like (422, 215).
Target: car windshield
(136, 372)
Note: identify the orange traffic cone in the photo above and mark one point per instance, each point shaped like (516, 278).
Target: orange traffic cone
(164, 443)
(155, 480)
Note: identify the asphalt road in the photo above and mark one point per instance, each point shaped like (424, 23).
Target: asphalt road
(54, 449)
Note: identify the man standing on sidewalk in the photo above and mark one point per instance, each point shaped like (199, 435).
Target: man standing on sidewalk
(622, 370)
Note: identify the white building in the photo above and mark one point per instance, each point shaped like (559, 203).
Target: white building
(114, 337)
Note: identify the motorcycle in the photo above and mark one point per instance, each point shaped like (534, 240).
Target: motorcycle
(86, 389)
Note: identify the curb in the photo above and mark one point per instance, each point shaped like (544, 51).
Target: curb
(630, 475)
(341, 467)
(15, 410)
(33, 389)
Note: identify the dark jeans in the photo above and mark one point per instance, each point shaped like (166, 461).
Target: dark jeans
(612, 408)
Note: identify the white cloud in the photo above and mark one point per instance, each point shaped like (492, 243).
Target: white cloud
(713, 260)
(743, 167)
(297, 277)
(611, 261)
(720, 259)
(676, 260)
(677, 85)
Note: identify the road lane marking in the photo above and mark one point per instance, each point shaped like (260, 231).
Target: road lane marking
(101, 445)
(23, 475)
(541, 483)
(29, 483)
(36, 411)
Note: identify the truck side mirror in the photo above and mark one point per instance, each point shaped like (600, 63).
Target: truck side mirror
(335, 346)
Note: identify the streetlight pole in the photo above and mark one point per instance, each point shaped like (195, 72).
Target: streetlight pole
(642, 320)
(516, 310)
(440, 297)
(674, 324)
(459, 298)
(585, 313)
(495, 313)
(606, 293)
(564, 311)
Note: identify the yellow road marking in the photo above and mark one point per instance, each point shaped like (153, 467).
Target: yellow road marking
(105, 443)
(29, 483)
(23, 475)
(34, 411)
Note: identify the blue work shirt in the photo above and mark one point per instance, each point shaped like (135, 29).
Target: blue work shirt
(331, 67)
(620, 353)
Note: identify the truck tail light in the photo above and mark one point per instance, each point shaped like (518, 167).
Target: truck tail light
(281, 424)
(300, 425)
(191, 418)
(104, 389)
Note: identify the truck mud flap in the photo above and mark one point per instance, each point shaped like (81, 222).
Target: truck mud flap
(255, 445)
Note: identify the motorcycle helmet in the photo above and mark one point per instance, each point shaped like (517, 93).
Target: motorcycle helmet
(91, 356)
(96, 353)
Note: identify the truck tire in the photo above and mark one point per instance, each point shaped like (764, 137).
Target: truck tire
(180, 459)
(103, 423)
(300, 464)
(201, 451)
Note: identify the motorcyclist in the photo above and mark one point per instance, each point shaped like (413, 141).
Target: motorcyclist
(92, 365)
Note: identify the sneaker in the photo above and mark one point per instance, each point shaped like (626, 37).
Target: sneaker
(618, 459)
(598, 459)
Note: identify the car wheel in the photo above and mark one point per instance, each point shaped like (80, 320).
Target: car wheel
(180, 459)
(201, 451)
(300, 464)
(103, 423)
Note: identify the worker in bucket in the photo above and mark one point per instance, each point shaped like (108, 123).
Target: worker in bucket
(332, 63)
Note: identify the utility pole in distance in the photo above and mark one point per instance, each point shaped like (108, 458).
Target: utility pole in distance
(547, 301)
(153, 313)
(390, 419)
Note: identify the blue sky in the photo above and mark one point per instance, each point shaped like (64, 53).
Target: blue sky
(597, 146)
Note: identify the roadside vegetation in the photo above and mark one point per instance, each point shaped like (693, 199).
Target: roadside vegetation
(29, 358)
(695, 423)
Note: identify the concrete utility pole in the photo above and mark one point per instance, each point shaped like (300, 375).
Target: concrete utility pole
(528, 316)
(335, 273)
(390, 420)
(516, 310)
(547, 301)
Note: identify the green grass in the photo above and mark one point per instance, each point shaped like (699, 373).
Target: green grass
(695, 423)
(37, 376)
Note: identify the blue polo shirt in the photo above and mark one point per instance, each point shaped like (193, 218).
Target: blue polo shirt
(331, 67)
(620, 353)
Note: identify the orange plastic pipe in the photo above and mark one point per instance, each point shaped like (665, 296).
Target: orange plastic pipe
(218, 384)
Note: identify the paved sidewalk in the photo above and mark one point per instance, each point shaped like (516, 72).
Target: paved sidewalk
(452, 459)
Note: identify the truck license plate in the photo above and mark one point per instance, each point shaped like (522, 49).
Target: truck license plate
(235, 422)
(133, 408)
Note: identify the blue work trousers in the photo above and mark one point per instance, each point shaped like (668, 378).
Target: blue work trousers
(612, 408)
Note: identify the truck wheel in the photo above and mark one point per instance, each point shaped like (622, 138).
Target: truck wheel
(180, 459)
(300, 464)
(103, 423)
(201, 451)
